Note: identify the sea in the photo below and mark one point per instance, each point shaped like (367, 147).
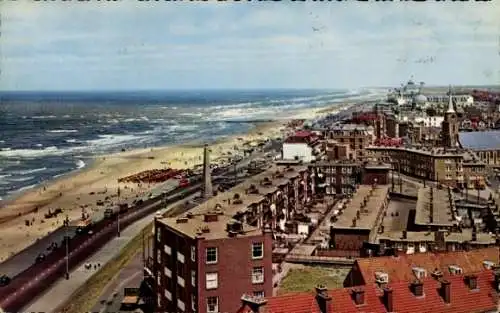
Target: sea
(45, 135)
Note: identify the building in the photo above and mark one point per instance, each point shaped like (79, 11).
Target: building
(336, 177)
(356, 136)
(303, 145)
(452, 167)
(435, 210)
(450, 126)
(358, 221)
(222, 248)
(408, 267)
(474, 293)
(485, 144)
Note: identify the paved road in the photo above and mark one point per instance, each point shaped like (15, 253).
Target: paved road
(112, 295)
(24, 259)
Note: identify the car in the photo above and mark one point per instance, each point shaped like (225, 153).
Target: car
(4, 280)
(40, 258)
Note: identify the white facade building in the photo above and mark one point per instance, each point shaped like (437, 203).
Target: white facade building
(299, 150)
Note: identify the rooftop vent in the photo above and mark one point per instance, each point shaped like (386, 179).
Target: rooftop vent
(381, 277)
(189, 215)
(253, 190)
(237, 199)
(234, 228)
(205, 229)
(211, 217)
(279, 174)
(181, 220)
(437, 273)
(266, 182)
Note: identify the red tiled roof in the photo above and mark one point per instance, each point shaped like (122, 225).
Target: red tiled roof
(400, 268)
(463, 300)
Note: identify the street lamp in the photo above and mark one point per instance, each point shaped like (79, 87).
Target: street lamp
(66, 237)
(118, 222)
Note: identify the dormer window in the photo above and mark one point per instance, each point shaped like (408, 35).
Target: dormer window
(419, 272)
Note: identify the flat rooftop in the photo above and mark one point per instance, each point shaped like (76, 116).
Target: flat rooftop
(225, 205)
(433, 151)
(374, 195)
(434, 207)
(480, 141)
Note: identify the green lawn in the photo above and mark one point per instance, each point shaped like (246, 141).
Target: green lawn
(308, 277)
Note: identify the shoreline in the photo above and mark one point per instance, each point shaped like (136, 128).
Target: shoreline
(80, 191)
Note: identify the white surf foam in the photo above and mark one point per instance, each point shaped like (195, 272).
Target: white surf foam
(30, 153)
(27, 172)
(62, 131)
(80, 164)
(21, 179)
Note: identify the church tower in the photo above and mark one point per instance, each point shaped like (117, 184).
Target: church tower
(449, 129)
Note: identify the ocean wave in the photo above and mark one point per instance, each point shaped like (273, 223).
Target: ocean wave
(71, 140)
(183, 127)
(110, 140)
(21, 179)
(30, 153)
(27, 172)
(80, 164)
(42, 117)
(62, 131)
(23, 188)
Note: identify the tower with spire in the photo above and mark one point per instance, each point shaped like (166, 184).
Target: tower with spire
(449, 129)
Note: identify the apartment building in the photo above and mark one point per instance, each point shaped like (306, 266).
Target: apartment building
(452, 167)
(356, 136)
(208, 257)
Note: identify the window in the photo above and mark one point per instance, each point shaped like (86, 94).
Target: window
(158, 234)
(168, 272)
(193, 278)
(259, 294)
(257, 250)
(168, 250)
(211, 255)
(158, 280)
(180, 257)
(257, 275)
(212, 304)
(193, 303)
(159, 300)
(193, 253)
(212, 280)
(168, 295)
(158, 256)
(181, 281)
(181, 305)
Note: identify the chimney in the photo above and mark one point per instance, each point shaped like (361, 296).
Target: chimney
(207, 179)
(210, 217)
(417, 288)
(404, 234)
(358, 295)
(446, 290)
(181, 220)
(323, 299)
(471, 281)
(353, 222)
(474, 233)
(255, 303)
(388, 299)
(497, 281)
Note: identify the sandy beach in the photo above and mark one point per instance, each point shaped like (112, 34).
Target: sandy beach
(79, 192)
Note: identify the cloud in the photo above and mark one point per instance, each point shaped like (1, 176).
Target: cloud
(142, 45)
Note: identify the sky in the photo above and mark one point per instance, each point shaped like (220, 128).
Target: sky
(134, 45)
